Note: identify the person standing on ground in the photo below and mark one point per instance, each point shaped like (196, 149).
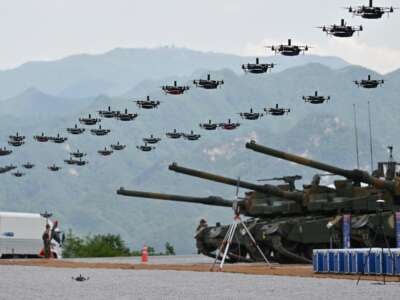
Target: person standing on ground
(47, 237)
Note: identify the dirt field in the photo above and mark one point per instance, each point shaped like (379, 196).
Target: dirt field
(251, 269)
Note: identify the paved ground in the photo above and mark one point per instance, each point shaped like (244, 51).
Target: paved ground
(175, 259)
(21, 282)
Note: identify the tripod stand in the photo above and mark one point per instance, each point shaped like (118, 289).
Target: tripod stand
(379, 230)
(227, 241)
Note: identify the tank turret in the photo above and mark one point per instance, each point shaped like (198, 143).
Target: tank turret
(358, 176)
(264, 188)
(211, 200)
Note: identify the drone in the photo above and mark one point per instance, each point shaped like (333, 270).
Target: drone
(7, 169)
(42, 138)
(229, 125)
(151, 140)
(16, 143)
(369, 83)
(54, 168)
(316, 99)
(75, 130)
(69, 161)
(342, 30)
(145, 148)
(78, 154)
(108, 113)
(105, 152)
(81, 162)
(89, 120)
(147, 104)
(125, 116)
(174, 134)
(257, 68)
(18, 174)
(251, 115)
(117, 146)
(191, 136)
(28, 165)
(174, 89)
(17, 137)
(208, 84)
(80, 278)
(100, 131)
(277, 111)
(209, 125)
(370, 11)
(58, 139)
(5, 151)
(289, 49)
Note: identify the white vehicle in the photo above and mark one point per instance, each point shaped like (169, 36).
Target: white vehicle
(21, 236)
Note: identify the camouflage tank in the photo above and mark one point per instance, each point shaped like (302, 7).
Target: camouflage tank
(287, 223)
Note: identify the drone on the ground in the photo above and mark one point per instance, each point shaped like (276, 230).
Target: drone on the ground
(370, 11)
(341, 30)
(316, 99)
(257, 68)
(289, 49)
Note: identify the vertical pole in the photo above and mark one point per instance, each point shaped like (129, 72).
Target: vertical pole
(370, 137)
(346, 231)
(356, 136)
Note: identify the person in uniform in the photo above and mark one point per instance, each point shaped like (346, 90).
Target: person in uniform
(199, 243)
(47, 236)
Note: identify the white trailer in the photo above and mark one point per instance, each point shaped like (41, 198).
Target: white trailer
(21, 235)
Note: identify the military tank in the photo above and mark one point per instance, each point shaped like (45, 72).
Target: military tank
(288, 223)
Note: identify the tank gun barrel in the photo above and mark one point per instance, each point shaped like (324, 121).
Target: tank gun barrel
(355, 175)
(212, 200)
(267, 189)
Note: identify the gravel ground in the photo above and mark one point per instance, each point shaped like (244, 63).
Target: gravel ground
(173, 259)
(55, 283)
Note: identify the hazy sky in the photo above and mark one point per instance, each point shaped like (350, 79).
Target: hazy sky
(51, 29)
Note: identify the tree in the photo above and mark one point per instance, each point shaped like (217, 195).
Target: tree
(99, 245)
(169, 249)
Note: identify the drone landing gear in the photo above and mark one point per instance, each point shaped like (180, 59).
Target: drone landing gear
(227, 241)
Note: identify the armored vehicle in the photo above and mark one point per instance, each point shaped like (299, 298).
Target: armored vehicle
(288, 223)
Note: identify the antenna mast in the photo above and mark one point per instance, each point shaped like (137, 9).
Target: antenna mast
(370, 137)
(356, 136)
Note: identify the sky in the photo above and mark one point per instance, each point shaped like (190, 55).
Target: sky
(32, 30)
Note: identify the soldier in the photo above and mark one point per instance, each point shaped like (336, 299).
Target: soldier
(47, 237)
(199, 243)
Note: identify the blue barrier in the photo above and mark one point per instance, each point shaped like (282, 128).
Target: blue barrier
(373, 261)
